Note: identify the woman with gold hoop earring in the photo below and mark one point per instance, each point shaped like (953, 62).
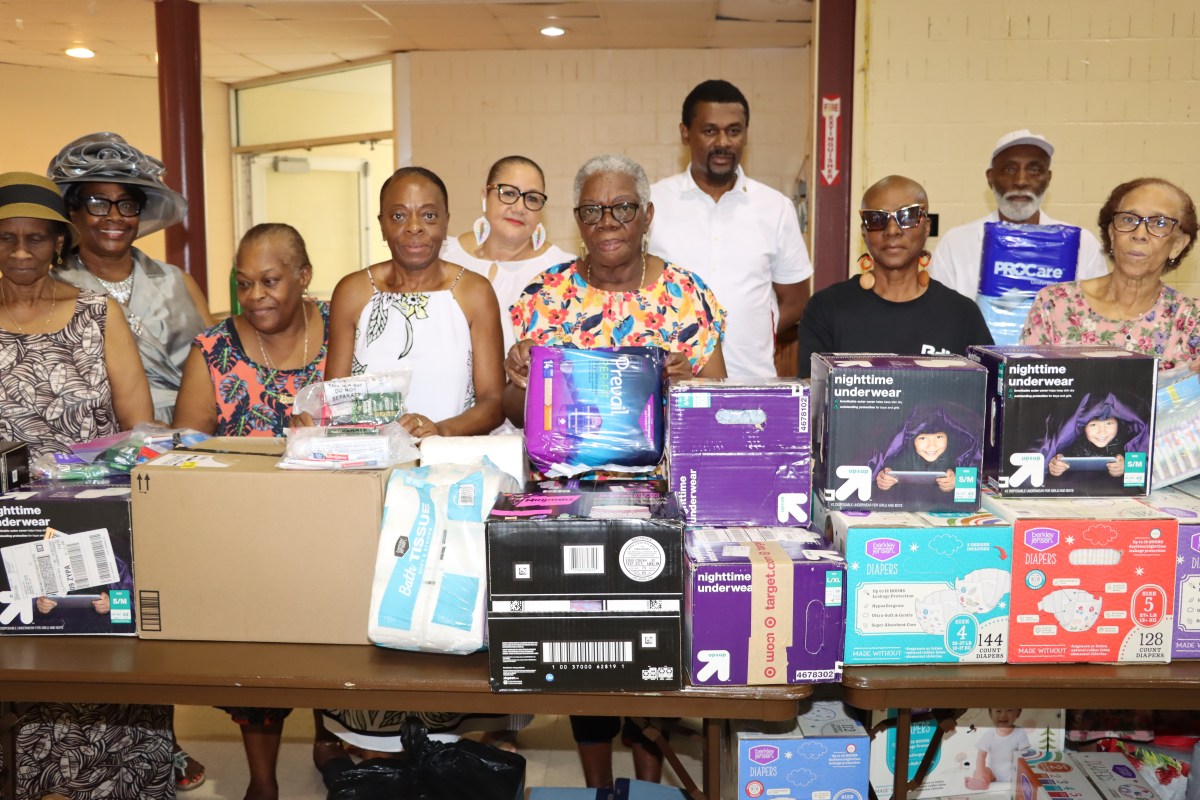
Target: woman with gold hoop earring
(508, 243)
(891, 305)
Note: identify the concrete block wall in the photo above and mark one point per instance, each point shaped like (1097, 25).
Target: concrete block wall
(1114, 85)
(562, 108)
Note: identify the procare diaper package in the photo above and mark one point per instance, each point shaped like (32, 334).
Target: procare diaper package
(430, 573)
(594, 409)
(1016, 262)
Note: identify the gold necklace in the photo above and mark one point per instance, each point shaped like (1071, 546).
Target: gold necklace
(641, 283)
(13, 320)
(267, 356)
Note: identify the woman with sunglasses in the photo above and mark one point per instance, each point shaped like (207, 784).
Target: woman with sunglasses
(508, 244)
(1147, 226)
(115, 194)
(892, 306)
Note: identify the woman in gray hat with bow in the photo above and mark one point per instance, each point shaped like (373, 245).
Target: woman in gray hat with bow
(115, 194)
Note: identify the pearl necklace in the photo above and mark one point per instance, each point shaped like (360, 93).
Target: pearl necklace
(288, 399)
(13, 320)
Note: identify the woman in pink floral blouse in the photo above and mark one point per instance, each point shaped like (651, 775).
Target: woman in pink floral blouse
(1147, 226)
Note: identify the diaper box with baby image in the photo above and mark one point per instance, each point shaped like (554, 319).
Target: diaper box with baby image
(738, 451)
(823, 755)
(763, 606)
(897, 432)
(1185, 640)
(924, 588)
(1059, 775)
(585, 591)
(979, 754)
(67, 559)
(1068, 421)
(1093, 579)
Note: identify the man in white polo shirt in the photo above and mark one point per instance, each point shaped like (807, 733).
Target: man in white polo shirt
(741, 236)
(1019, 176)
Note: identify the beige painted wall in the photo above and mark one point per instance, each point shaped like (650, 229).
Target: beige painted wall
(561, 108)
(1114, 85)
(48, 108)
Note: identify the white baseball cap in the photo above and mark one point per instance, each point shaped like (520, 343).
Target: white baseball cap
(1023, 136)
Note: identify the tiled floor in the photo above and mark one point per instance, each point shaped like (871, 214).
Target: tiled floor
(210, 736)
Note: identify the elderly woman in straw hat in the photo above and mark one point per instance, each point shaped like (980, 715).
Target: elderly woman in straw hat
(114, 195)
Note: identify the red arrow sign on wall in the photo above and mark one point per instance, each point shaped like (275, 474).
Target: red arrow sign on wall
(831, 140)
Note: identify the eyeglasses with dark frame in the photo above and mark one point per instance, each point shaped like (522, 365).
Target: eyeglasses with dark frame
(876, 219)
(1158, 225)
(621, 212)
(100, 206)
(510, 194)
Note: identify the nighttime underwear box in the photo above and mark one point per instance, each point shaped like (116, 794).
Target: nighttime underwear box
(1093, 579)
(738, 451)
(897, 433)
(78, 581)
(1068, 421)
(974, 758)
(823, 755)
(763, 606)
(923, 588)
(230, 548)
(585, 592)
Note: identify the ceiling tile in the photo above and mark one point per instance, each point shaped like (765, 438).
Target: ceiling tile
(315, 11)
(341, 28)
(291, 62)
(584, 9)
(766, 10)
(576, 26)
(664, 9)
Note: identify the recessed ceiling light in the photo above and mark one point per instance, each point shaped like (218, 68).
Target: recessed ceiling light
(552, 30)
(80, 52)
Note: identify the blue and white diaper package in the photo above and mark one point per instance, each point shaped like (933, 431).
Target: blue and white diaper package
(1017, 261)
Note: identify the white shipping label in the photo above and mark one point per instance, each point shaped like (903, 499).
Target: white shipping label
(64, 563)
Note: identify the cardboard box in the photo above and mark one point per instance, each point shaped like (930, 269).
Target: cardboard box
(622, 789)
(898, 433)
(229, 548)
(1084, 413)
(924, 588)
(1185, 639)
(1055, 775)
(14, 465)
(738, 451)
(585, 592)
(1093, 579)
(763, 606)
(83, 576)
(956, 768)
(824, 755)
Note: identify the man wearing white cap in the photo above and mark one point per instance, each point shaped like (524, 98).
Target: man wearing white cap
(1019, 176)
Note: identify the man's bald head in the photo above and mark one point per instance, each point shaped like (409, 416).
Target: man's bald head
(897, 190)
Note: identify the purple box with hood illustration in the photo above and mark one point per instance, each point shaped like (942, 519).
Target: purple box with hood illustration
(763, 606)
(739, 451)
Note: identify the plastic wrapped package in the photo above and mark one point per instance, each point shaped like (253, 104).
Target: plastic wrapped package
(358, 400)
(430, 584)
(115, 454)
(599, 409)
(1176, 428)
(1017, 261)
(348, 447)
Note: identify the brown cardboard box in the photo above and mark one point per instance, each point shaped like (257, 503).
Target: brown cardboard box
(229, 548)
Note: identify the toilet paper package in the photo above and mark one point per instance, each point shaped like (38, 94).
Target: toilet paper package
(506, 451)
(599, 409)
(1185, 639)
(1093, 579)
(430, 583)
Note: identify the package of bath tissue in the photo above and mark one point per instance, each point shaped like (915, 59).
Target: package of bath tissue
(506, 451)
(430, 582)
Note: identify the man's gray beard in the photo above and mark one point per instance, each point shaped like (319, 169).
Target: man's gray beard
(1018, 209)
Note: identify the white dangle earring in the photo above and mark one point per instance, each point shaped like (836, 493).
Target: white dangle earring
(482, 227)
(539, 236)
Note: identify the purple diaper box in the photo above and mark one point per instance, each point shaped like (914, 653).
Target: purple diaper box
(897, 433)
(598, 409)
(1179, 502)
(763, 606)
(738, 451)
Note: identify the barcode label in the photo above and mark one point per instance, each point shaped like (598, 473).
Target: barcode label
(466, 494)
(583, 559)
(78, 567)
(149, 611)
(47, 575)
(102, 554)
(587, 652)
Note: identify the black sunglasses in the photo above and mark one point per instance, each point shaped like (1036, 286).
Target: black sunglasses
(874, 219)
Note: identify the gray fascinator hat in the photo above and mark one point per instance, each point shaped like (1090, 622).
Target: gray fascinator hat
(108, 158)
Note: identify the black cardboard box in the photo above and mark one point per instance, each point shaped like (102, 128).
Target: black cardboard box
(1068, 421)
(84, 575)
(14, 465)
(873, 417)
(585, 592)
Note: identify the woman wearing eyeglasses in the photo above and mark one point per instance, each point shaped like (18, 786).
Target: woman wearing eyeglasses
(508, 244)
(115, 194)
(1147, 226)
(892, 306)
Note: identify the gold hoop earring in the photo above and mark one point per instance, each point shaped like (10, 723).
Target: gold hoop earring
(865, 264)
